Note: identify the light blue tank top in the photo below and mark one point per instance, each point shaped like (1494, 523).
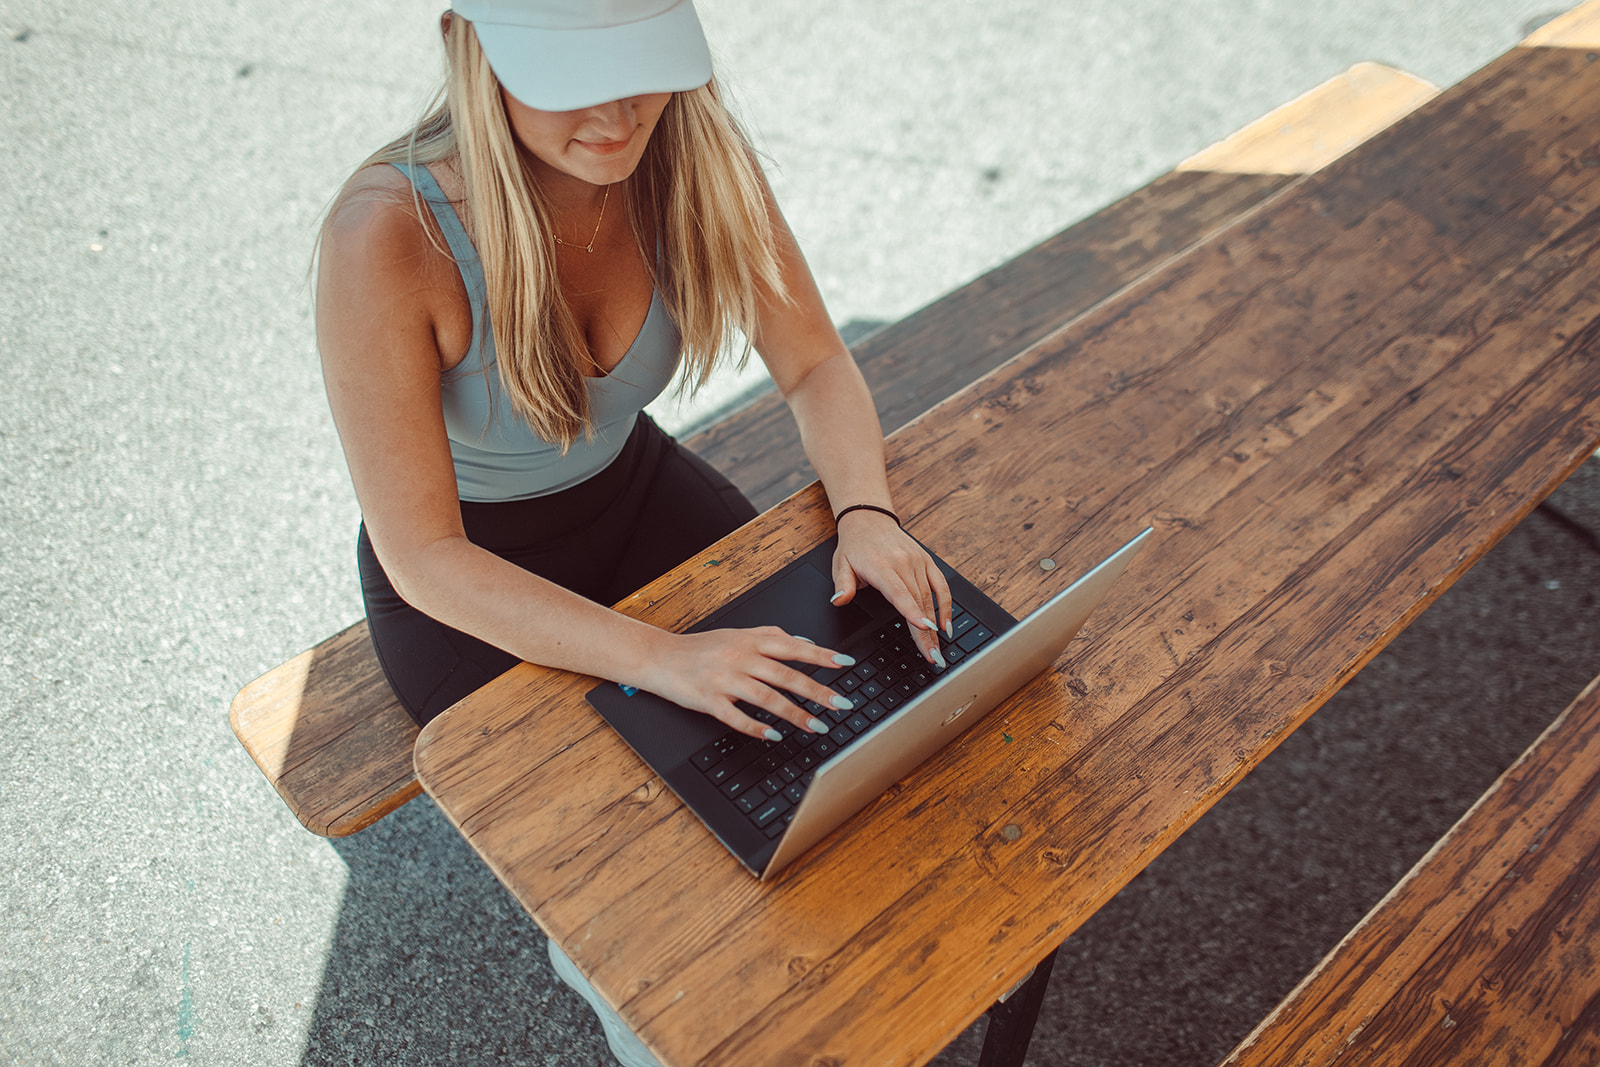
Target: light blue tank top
(497, 455)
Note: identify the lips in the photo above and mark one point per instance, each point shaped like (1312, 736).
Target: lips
(605, 148)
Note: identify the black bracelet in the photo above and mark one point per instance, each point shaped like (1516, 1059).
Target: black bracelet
(867, 507)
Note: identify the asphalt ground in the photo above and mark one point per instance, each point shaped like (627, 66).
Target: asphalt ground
(175, 517)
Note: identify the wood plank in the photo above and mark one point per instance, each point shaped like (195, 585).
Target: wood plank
(920, 360)
(1578, 28)
(1319, 126)
(1430, 296)
(330, 736)
(924, 358)
(1485, 952)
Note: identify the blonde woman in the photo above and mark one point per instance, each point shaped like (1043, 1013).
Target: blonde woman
(501, 290)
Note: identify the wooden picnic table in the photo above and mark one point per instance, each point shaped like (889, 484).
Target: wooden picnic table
(1328, 410)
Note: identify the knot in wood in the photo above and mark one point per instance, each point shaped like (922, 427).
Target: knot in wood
(1011, 831)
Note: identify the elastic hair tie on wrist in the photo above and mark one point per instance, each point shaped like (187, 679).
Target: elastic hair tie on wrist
(866, 507)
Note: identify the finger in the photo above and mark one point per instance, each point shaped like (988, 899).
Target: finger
(924, 631)
(810, 689)
(941, 592)
(769, 699)
(844, 580)
(801, 649)
(731, 716)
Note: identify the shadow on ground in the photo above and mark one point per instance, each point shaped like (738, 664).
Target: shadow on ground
(433, 962)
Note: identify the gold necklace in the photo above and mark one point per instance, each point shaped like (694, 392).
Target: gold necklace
(590, 246)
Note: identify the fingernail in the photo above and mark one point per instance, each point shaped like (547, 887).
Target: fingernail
(816, 726)
(843, 660)
(927, 624)
(807, 640)
(949, 631)
(842, 703)
(772, 735)
(938, 659)
(834, 599)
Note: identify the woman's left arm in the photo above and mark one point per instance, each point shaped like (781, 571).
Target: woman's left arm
(842, 438)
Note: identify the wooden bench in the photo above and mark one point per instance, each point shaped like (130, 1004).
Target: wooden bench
(1486, 953)
(325, 728)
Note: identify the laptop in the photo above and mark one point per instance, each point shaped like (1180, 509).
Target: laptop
(770, 801)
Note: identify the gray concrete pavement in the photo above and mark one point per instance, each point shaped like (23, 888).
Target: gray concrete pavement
(175, 517)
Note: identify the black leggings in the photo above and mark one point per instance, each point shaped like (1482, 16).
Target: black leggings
(656, 505)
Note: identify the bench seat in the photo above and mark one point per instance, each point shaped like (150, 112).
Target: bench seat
(329, 735)
(1486, 953)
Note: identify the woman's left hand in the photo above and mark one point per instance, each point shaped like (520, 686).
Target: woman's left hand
(875, 550)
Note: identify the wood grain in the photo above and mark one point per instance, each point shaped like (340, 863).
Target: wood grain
(1578, 28)
(328, 733)
(1486, 953)
(1329, 410)
(1318, 127)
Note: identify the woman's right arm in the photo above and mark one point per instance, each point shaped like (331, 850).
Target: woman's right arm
(384, 308)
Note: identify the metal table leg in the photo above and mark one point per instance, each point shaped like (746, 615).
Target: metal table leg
(1005, 1043)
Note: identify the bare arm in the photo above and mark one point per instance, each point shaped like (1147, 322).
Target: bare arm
(384, 316)
(840, 432)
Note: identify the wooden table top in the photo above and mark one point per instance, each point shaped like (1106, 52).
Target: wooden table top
(1328, 411)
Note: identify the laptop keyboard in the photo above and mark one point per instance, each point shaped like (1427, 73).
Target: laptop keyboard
(766, 779)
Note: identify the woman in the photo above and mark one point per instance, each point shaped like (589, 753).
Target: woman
(491, 319)
(501, 290)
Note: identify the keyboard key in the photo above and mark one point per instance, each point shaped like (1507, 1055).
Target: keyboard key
(706, 758)
(770, 811)
(974, 637)
(858, 722)
(841, 735)
(742, 781)
(847, 683)
(871, 690)
(874, 711)
(795, 792)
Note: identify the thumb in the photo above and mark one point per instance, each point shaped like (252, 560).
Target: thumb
(844, 581)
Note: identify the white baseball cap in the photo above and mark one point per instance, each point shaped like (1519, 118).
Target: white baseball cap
(562, 55)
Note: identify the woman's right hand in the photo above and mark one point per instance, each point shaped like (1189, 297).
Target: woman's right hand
(707, 672)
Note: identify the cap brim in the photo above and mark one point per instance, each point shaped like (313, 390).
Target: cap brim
(564, 70)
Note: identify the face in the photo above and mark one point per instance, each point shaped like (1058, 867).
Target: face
(598, 145)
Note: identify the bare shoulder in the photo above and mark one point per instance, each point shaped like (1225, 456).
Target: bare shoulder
(375, 215)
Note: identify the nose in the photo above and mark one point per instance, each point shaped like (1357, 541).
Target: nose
(615, 120)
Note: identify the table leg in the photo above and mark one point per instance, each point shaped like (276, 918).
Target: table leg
(1005, 1042)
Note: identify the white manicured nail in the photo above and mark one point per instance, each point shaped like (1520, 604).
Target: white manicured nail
(842, 703)
(834, 599)
(843, 660)
(772, 735)
(927, 624)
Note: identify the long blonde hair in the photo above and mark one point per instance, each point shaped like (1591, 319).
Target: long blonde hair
(697, 181)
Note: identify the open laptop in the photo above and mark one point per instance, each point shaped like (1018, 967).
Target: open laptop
(770, 801)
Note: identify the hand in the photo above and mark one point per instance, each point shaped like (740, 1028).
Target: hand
(707, 672)
(873, 549)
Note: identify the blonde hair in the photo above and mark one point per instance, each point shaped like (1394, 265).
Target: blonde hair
(697, 181)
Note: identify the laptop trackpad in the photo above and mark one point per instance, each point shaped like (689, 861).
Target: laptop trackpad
(797, 602)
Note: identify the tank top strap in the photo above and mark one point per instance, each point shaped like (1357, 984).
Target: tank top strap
(467, 262)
